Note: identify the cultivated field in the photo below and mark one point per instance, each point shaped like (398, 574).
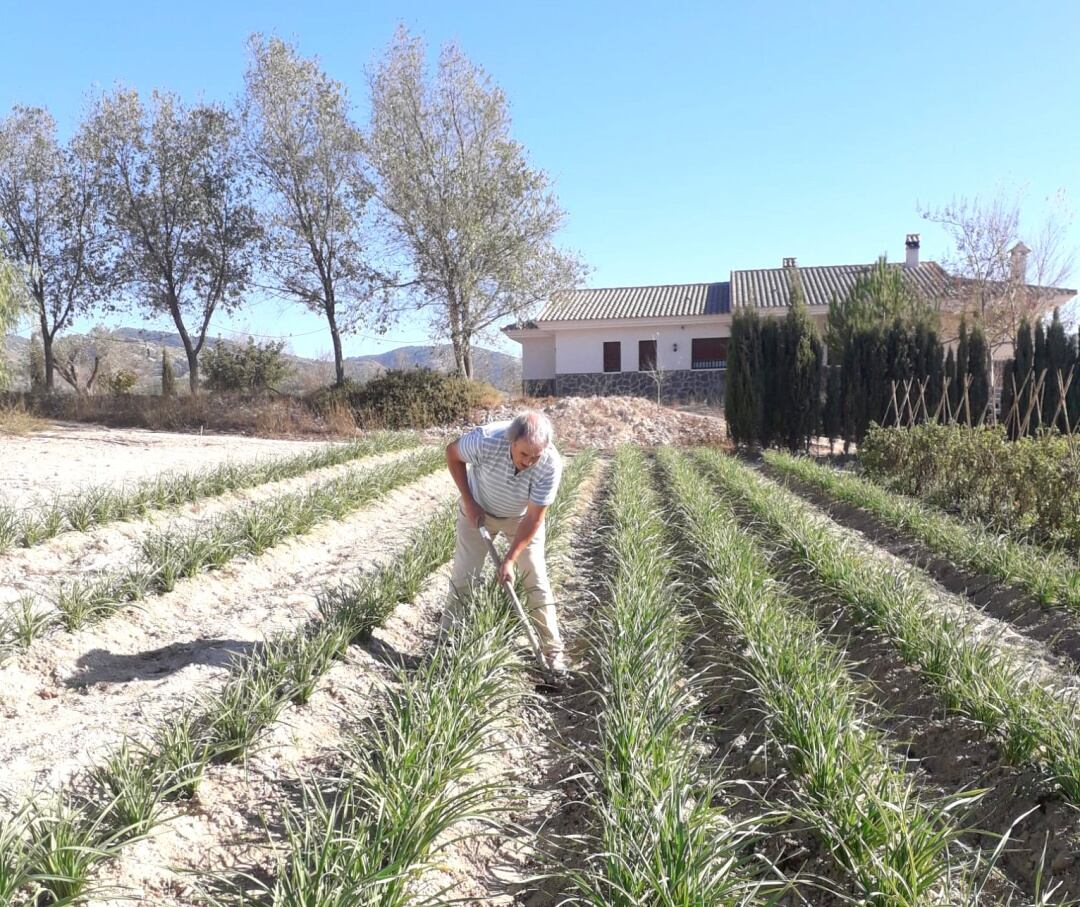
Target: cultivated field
(221, 684)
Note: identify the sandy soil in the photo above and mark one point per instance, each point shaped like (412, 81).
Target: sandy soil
(72, 694)
(42, 569)
(67, 456)
(225, 830)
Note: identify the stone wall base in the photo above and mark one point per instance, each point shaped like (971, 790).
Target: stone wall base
(681, 386)
(538, 387)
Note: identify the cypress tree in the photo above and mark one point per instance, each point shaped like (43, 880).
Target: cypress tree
(961, 403)
(742, 392)
(950, 377)
(832, 414)
(168, 379)
(1008, 397)
(1023, 371)
(1057, 364)
(772, 397)
(1041, 365)
(936, 371)
(979, 370)
(1073, 399)
(803, 356)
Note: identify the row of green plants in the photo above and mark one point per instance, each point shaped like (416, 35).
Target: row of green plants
(1028, 489)
(171, 555)
(656, 836)
(50, 851)
(410, 779)
(1051, 578)
(893, 841)
(974, 676)
(90, 507)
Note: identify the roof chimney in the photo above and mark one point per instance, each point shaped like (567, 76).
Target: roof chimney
(789, 262)
(1018, 262)
(912, 245)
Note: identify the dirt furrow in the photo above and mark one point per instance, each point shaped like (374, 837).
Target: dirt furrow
(72, 694)
(77, 556)
(954, 754)
(1055, 628)
(223, 832)
(496, 868)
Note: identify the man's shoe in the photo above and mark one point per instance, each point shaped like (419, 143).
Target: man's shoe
(558, 664)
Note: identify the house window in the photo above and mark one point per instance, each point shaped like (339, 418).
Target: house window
(708, 352)
(613, 356)
(646, 355)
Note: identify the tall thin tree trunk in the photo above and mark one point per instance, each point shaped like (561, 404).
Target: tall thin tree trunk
(193, 369)
(50, 361)
(335, 337)
(466, 357)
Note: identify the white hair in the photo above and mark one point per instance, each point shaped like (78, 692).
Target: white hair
(533, 426)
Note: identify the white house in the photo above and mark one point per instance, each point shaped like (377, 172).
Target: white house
(626, 340)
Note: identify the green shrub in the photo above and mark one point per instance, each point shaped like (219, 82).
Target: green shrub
(1029, 488)
(416, 398)
(121, 383)
(253, 368)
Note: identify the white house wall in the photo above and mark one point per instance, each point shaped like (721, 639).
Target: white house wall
(582, 350)
(538, 358)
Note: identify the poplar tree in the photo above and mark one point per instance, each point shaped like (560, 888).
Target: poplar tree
(474, 221)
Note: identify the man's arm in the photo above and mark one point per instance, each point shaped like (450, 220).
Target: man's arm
(527, 528)
(456, 464)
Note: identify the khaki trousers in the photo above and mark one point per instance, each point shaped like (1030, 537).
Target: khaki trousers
(469, 555)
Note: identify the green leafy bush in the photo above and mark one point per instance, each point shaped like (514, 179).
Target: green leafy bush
(253, 368)
(122, 382)
(416, 398)
(1029, 488)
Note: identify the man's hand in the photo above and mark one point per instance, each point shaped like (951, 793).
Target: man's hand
(506, 571)
(473, 511)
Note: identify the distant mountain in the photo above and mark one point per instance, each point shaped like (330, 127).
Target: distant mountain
(139, 350)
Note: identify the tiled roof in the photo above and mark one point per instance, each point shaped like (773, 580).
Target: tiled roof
(769, 287)
(761, 288)
(671, 301)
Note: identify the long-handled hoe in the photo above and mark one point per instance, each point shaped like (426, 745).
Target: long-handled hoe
(550, 678)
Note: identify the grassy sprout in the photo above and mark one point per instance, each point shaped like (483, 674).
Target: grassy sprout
(1051, 577)
(237, 715)
(171, 555)
(15, 873)
(23, 622)
(66, 840)
(133, 790)
(975, 677)
(180, 751)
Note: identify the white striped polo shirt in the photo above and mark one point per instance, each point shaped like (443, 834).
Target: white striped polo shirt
(495, 482)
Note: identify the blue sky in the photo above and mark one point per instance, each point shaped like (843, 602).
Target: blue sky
(685, 138)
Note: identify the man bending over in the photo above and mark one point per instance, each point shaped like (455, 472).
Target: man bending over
(508, 474)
